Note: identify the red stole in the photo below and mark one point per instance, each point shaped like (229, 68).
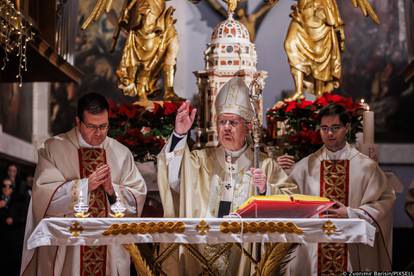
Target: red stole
(93, 258)
(334, 184)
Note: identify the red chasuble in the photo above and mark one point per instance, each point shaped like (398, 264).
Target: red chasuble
(93, 258)
(333, 257)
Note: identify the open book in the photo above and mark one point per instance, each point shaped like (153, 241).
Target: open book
(283, 206)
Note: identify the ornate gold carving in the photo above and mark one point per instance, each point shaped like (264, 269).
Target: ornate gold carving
(261, 227)
(203, 227)
(314, 44)
(144, 228)
(150, 49)
(75, 229)
(140, 264)
(274, 259)
(329, 228)
(231, 5)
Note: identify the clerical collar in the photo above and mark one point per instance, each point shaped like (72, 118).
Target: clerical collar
(84, 144)
(342, 154)
(236, 154)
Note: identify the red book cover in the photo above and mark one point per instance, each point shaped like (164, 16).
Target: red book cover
(283, 206)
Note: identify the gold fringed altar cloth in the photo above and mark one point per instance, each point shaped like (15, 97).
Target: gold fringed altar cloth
(105, 231)
(280, 237)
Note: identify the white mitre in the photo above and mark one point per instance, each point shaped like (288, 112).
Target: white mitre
(234, 98)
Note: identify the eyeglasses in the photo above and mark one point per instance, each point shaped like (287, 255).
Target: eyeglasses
(96, 127)
(333, 129)
(233, 123)
(6, 186)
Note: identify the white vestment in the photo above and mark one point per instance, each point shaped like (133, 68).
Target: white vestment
(192, 184)
(370, 197)
(56, 187)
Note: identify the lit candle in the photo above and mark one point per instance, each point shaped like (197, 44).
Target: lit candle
(368, 126)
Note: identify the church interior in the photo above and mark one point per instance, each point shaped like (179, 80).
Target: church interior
(148, 62)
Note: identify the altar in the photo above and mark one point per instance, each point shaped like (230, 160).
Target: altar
(189, 231)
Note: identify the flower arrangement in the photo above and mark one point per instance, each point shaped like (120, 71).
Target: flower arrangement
(143, 129)
(293, 127)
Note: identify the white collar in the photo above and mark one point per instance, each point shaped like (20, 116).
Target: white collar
(342, 154)
(236, 153)
(84, 144)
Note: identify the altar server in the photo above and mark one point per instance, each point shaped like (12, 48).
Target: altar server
(360, 189)
(83, 164)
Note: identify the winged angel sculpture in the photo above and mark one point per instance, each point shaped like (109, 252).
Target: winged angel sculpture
(314, 43)
(150, 49)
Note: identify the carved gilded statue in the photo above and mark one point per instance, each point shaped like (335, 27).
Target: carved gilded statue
(150, 49)
(314, 43)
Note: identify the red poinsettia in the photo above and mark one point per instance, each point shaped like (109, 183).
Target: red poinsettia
(304, 104)
(144, 130)
(291, 106)
(127, 110)
(170, 108)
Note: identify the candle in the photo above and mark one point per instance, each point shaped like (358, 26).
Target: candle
(368, 126)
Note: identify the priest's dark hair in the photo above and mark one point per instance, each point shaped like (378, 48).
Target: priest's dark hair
(93, 103)
(333, 110)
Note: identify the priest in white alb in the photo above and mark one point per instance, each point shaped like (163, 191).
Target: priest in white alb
(341, 173)
(213, 182)
(85, 163)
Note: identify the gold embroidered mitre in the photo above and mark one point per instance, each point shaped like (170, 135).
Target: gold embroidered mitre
(234, 98)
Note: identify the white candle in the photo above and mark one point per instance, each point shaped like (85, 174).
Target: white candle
(368, 126)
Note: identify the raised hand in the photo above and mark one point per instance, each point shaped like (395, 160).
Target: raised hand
(184, 119)
(98, 177)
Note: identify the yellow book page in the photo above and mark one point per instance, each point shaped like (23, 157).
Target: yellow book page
(309, 198)
(267, 197)
(284, 198)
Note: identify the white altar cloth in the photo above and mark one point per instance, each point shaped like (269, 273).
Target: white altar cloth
(94, 231)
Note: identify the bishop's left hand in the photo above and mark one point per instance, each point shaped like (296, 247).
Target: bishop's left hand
(338, 210)
(259, 179)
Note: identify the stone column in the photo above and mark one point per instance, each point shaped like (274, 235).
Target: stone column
(41, 91)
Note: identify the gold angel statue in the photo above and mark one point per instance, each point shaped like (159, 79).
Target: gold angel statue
(314, 43)
(150, 49)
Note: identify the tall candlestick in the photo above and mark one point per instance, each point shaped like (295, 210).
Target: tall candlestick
(368, 126)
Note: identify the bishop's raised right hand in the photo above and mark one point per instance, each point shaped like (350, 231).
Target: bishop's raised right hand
(184, 119)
